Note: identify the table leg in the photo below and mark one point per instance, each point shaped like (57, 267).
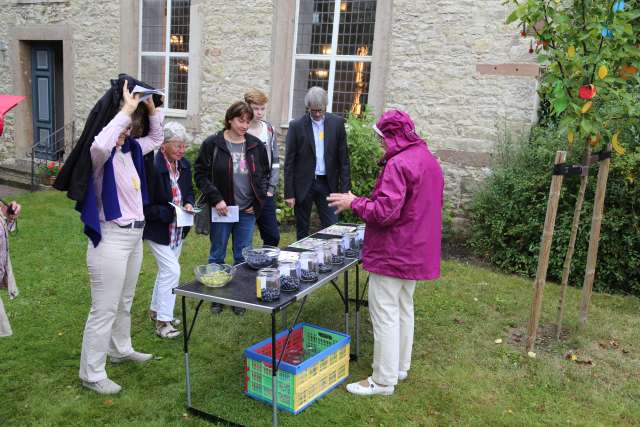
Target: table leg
(274, 372)
(185, 340)
(346, 302)
(357, 311)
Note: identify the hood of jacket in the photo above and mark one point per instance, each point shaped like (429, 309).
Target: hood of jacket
(398, 131)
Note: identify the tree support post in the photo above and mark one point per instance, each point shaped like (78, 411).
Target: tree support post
(545, 250)
(594, 236)
(566, 269)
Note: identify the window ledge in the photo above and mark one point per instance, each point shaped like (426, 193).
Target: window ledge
(182, 114)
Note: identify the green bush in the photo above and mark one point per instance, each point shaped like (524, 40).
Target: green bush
(508, 213)
(364, 153)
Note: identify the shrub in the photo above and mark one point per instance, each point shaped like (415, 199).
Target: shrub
(364, 153)
(508, 213)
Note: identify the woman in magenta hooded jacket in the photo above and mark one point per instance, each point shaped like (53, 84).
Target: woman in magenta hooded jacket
(403, 219)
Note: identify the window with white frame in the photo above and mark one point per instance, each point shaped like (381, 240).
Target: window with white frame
(333, 44)
(164, 49)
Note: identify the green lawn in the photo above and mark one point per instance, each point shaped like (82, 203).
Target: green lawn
(460, 376)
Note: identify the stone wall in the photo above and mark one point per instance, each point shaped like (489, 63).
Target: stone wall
(95, 28)
(434, 50)
(236, 55)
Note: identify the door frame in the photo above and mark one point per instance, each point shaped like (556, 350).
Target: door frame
(22, 37)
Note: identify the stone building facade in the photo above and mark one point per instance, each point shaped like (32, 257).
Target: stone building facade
(422, 57)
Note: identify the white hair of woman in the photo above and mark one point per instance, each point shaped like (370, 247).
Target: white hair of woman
(316, 97)
(175, 130)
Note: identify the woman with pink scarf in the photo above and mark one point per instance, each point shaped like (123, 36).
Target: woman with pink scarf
(403, 219)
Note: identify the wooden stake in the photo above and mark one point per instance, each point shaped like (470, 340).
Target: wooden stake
(545, 250)
(594, 240)
(572, 243)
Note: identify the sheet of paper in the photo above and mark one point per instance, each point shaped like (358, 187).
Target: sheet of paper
(307, 243)
(183, 218)
(338, 230)
(146, 92)
(288, 256)
(232, 216)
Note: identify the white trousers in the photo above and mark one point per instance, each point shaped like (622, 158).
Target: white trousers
(163, 300)
(391, 309)
(113, 271)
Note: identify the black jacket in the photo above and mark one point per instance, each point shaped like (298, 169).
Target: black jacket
(76, 171)
(159, 214)
(221, 187)
(300, 157)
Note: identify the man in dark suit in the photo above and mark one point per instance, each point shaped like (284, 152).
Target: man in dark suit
(316, 162)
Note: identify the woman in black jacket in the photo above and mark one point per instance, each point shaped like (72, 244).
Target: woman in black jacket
(232, 169)
(169, 182)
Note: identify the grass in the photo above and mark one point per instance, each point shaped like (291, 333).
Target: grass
(460, 376)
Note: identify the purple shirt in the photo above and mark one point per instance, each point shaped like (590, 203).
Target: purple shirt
(127, 180)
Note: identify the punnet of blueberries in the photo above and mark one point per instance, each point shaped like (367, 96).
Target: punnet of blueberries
(289, 284)
(308, 276)
(325, 268)
(337, 259)
(352, 253)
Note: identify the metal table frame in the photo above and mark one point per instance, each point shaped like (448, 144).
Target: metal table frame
(272, 309)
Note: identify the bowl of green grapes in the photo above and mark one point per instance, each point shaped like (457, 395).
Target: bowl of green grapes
(214, 275)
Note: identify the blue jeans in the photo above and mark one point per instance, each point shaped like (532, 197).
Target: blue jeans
(242, 232)
(268, 223)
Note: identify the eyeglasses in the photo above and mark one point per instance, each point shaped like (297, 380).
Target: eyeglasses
(317, 110)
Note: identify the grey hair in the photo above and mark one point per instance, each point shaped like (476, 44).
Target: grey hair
(174, 130)
(316, 97)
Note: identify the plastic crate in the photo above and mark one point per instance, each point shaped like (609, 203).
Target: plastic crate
(301, 384)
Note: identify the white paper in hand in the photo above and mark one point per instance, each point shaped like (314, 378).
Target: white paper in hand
(145, 92)
(233, 215)
(183, 218)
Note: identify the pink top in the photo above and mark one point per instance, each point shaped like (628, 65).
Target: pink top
(127, 181)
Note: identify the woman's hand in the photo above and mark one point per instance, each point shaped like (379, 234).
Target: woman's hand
(290, 202)
(151, 106)
(130, 101)
(249, 210)
(15, 209)
(222, 208)
(341, 201)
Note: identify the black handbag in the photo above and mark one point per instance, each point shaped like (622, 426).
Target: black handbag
(202, 219)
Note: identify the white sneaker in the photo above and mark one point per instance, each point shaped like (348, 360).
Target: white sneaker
(105, 386)
(133, 357)
(402, 375)
(356, 388)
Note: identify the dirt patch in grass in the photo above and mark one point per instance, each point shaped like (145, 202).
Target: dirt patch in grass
(545, 338)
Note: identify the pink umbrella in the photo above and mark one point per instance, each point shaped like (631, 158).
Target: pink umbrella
(7, 102)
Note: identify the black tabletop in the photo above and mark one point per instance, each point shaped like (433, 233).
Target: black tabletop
(241, 291)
